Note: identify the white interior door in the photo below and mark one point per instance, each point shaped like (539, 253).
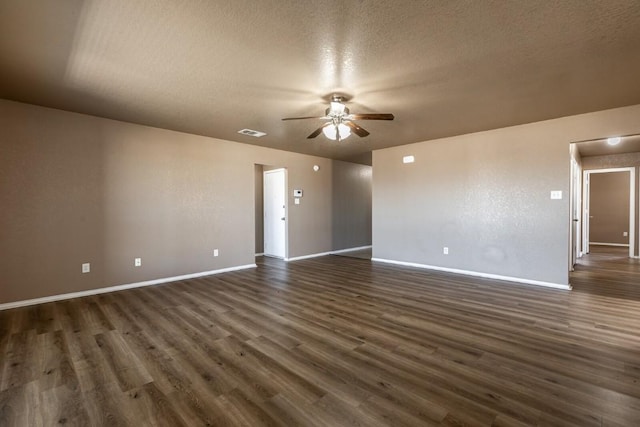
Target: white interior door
(275, 213)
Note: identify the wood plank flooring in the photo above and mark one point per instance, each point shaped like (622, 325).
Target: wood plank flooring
(332, 341)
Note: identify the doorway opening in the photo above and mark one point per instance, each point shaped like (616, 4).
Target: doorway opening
(604, 203)
(609, 209)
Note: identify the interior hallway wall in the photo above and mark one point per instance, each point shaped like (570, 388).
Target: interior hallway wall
(351, 205)
(609, 208)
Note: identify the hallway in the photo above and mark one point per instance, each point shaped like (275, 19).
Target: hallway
(607, 271)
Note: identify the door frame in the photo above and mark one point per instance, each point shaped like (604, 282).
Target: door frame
(586, 187)
(575, 205)
(286, 210)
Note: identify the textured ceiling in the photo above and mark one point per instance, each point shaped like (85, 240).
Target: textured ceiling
(215, 67)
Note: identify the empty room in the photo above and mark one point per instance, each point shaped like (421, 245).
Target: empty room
(354, 213)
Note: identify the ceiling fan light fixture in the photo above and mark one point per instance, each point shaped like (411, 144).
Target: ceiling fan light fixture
(340, 122)
(336, 108)
(332, 132)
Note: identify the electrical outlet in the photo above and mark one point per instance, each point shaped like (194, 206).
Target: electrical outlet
(445, 250)
(215, 252)
(137, 262)
(625, 234)
(86, 267)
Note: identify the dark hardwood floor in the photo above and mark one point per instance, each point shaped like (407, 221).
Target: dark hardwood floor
(332, 341)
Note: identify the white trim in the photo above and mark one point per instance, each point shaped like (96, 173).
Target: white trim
(297, 258)
(359, 248)
(575, 208)
(585, 211)
(632, 205)
(475, 273)
(609, 244)
(60, 297)
(319, 254)
(260, 254)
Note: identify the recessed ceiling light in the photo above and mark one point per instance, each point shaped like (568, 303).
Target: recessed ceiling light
(252, 132)
(613, 141)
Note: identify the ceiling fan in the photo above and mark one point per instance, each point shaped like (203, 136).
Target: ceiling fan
(340, 122)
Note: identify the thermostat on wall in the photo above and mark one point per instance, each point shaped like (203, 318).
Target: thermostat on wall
(297, 193)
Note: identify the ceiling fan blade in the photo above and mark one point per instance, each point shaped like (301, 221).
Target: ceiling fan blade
(318, 131)
(358, 130)
(371, 116)
(302, 118)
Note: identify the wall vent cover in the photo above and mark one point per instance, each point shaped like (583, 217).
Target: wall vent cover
(252, 132)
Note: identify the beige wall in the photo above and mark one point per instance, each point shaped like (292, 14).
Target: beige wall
(76, 188)
(609, 207)
(486, 197)
(351, 205)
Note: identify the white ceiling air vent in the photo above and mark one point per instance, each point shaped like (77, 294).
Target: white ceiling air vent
(251, 132)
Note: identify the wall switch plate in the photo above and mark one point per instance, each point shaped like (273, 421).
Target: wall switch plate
(215, 252)
(445, 250)
(625, 234)
(86, 267)
(297, 201)
(137, 262)
(408, 159)
(556, 195)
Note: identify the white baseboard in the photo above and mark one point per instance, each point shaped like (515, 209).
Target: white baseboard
(260, 254)
(359, 248)
(319, 254)
(298, 258)
(52, 298)
(609, 244)
(475, 273)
